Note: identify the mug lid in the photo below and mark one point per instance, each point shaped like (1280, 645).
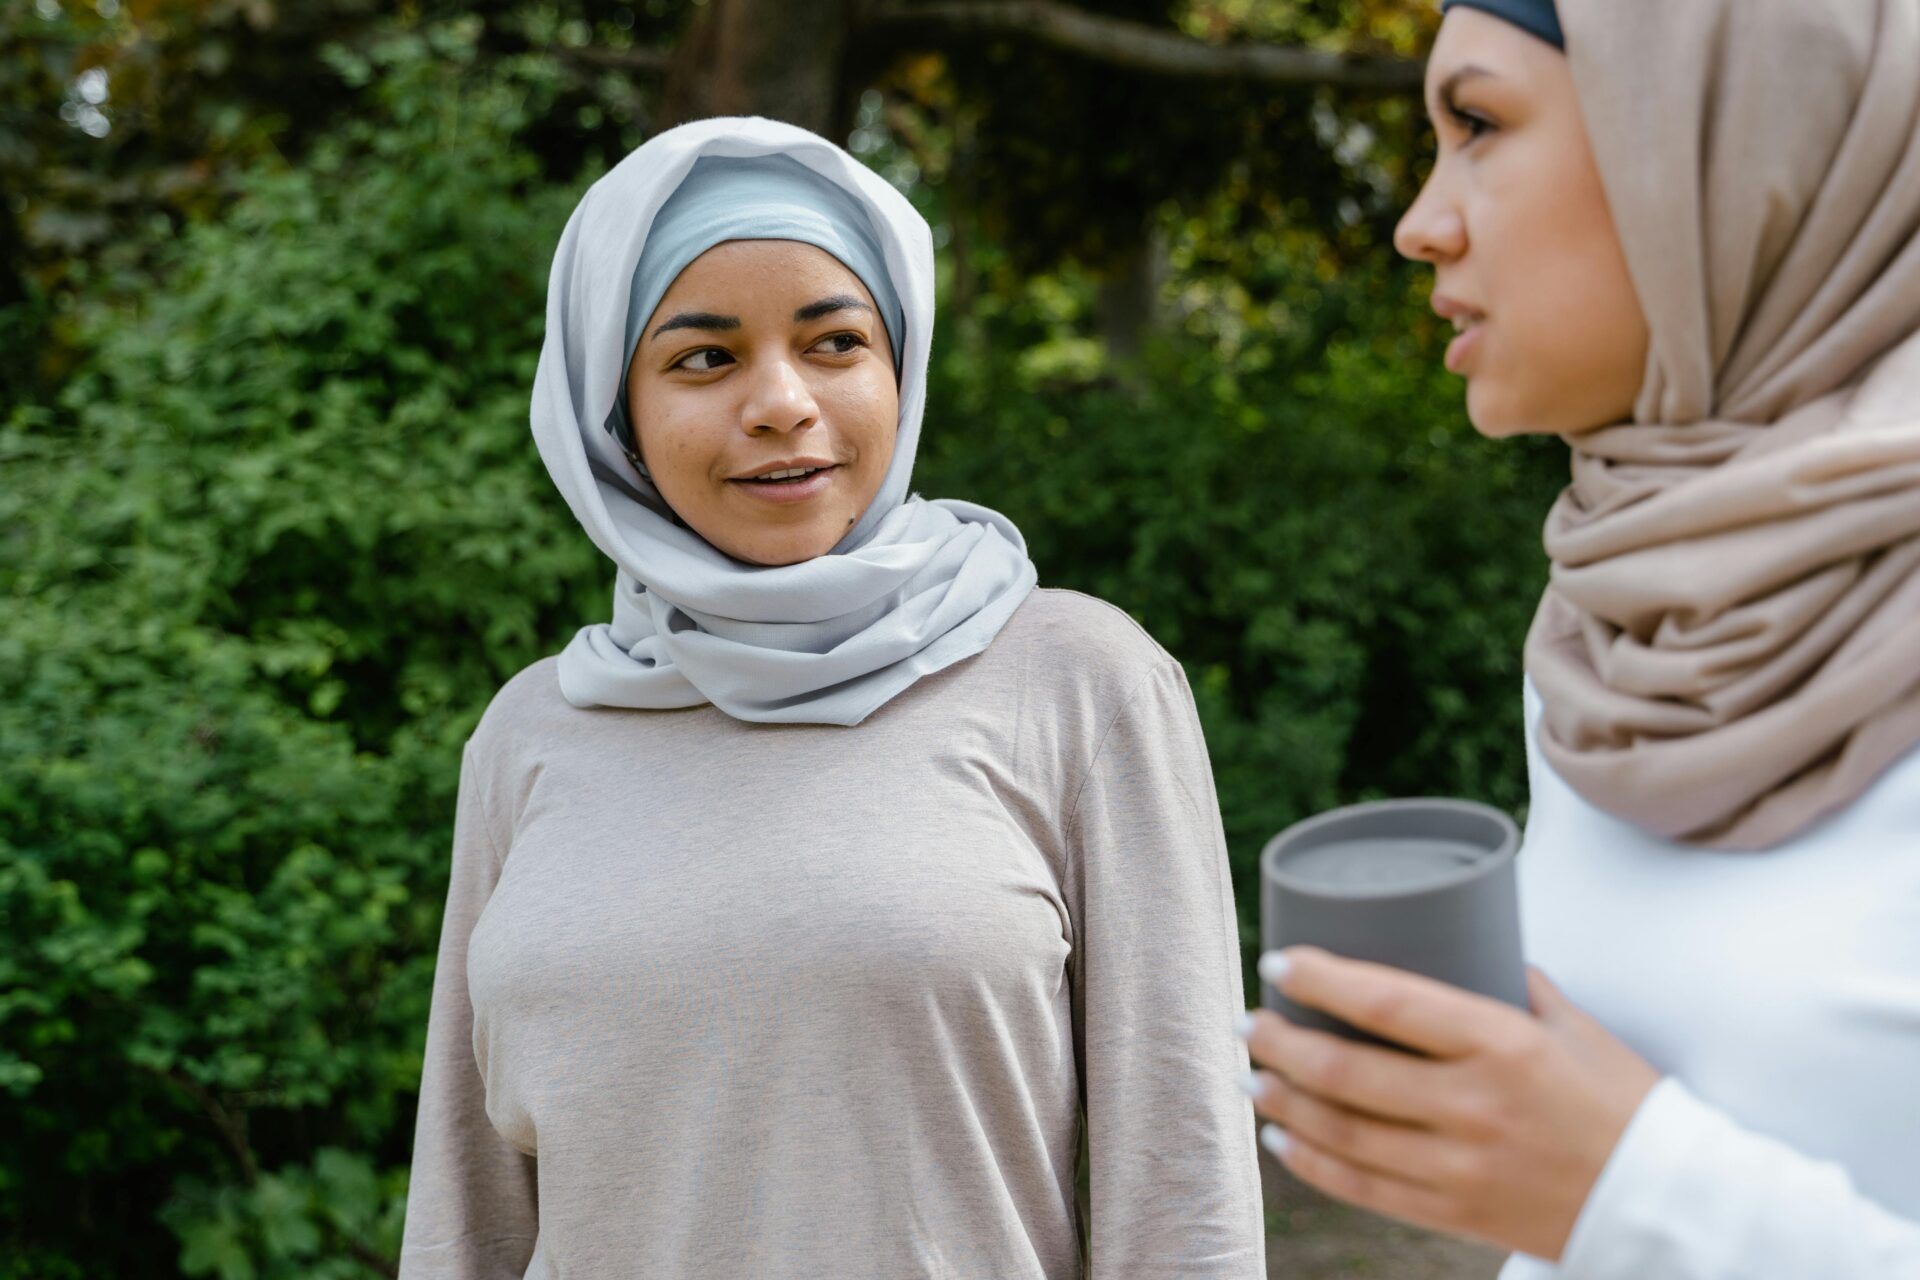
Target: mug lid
(1490, 834)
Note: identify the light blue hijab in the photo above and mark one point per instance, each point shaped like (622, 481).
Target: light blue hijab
(916, 585)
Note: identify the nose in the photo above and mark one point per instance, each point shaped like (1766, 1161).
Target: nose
(1433, 229)
(778, 400)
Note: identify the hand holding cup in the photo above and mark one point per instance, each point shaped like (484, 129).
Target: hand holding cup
(1425, 1072)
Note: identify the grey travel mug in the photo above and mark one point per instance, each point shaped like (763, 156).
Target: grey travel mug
(1424, 885)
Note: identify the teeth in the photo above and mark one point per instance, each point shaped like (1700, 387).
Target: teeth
(788, 474)
(1463, 323)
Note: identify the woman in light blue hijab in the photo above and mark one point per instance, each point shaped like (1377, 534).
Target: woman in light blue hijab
(807, 916)
(911, 587)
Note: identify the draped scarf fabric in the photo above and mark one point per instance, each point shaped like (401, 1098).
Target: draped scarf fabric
(1729, 649)
(915, 585)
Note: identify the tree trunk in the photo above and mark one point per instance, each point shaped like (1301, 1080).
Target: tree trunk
(1127, 307)
(762, 58)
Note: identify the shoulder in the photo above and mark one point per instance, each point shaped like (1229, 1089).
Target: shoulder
(1097, 687)
(528, 707)
(1085, 634)
(1082, 658)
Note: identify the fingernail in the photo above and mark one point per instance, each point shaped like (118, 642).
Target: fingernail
(1243, 1024)
(1251, 1084)
(1275, 1139)
(1273, 967)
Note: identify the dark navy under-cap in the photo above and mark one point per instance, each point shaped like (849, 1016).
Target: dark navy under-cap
(1537, 17)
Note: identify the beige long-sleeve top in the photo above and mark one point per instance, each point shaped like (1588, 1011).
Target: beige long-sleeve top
(730, 1000)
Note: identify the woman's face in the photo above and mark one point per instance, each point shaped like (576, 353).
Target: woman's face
(763, 397)
(1527, 262)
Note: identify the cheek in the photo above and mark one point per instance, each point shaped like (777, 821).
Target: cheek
(676, 441)
(866, 410)
(1514, 371)
(1568, 345)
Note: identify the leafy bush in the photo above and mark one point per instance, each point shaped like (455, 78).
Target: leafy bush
(264, 561)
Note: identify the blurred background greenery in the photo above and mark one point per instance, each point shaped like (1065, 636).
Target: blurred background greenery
(272, 529)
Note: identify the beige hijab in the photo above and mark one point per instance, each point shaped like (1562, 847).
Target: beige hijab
(1730, 646)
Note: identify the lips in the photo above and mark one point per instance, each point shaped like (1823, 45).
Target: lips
(1460, 351)
(773, 467)
(786, 475)
(1469, 323)
(792, 481)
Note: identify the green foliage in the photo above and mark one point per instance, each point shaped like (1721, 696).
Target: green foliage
(331, 1220)
(283, 533)
(123, 120)
(264, 560)
(1063, 156)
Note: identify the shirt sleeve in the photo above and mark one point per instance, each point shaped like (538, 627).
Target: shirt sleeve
(472, 1212)
(1689, 1194)
(1173, 1168)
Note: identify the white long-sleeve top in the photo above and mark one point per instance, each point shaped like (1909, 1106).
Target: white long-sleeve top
(1779, 992)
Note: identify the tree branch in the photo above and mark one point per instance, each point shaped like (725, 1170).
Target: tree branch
(1139, 47)
(639, 60)
(368, 1257)
(231, 1128)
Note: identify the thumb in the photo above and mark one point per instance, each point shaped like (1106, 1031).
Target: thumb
(1548, 1003)
(1557, 1013)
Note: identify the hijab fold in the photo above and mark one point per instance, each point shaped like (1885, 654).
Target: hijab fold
(1729, 649)
(915, 586)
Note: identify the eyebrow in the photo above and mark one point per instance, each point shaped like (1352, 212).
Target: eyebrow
(718, 323)
(699, 320)
(1444, 94)
(827, 306)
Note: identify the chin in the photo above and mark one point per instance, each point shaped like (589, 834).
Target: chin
(1498, 414)
(1490, 413)
(775, 553)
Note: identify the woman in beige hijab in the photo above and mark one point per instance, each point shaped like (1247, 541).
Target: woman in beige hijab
(1685, 236)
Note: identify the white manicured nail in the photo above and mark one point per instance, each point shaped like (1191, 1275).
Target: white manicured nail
(1273, 967)
(1243, 1024)
(1251, 1084)
(1275, 1139)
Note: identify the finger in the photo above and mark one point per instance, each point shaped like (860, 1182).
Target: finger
(1385, 1082)
(1382, 1146)
(1395, 1005)
(1368, 1188)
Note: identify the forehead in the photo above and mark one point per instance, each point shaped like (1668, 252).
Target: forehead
(772, 270)
(1476, 42)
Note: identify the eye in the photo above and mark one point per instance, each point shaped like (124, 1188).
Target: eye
(1471, 123)
(705, 360)
(841, 344)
